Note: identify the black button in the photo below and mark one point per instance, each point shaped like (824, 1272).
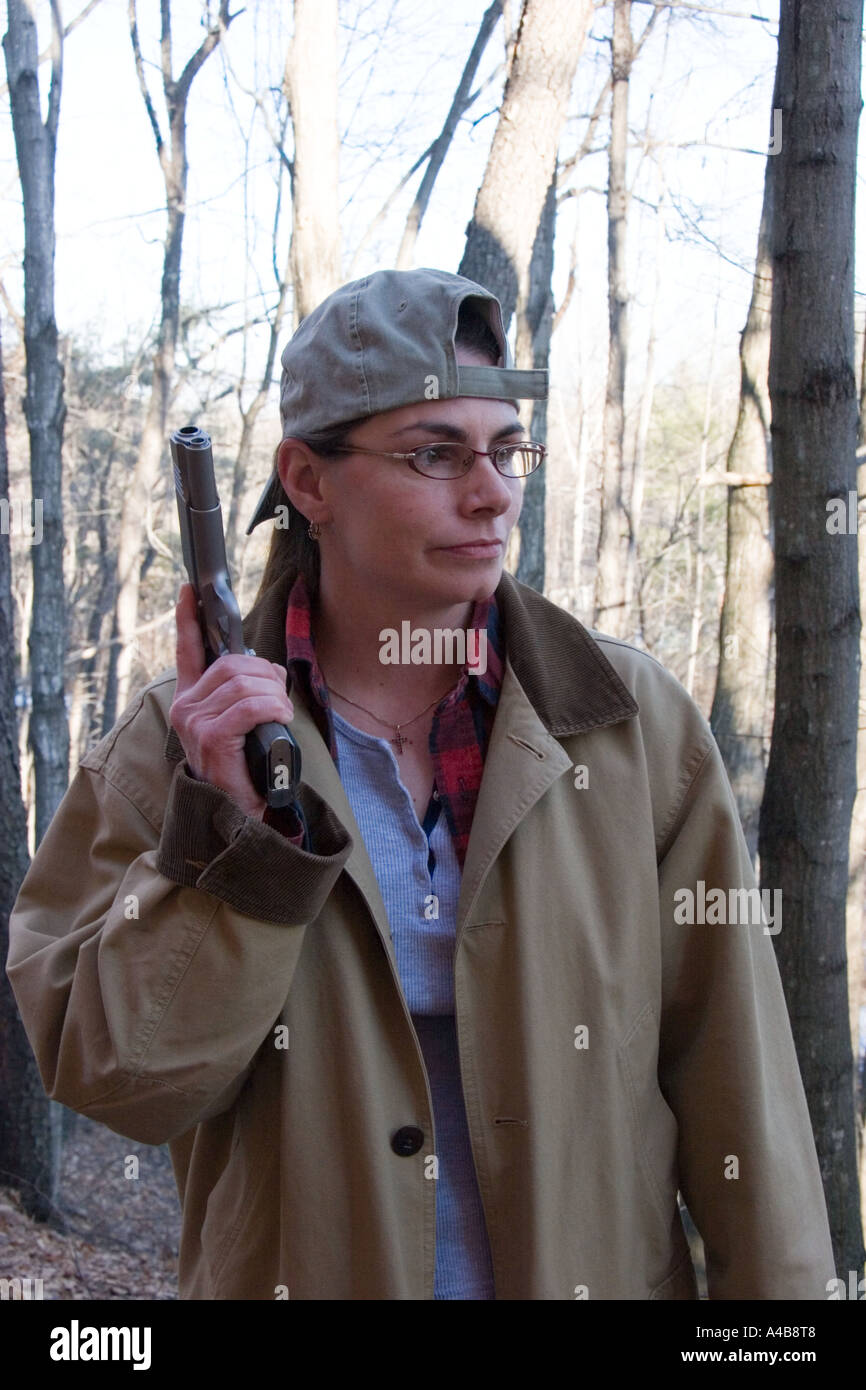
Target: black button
(407, 1141)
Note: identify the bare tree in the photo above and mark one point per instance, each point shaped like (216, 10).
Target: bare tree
(697, 617)
(171, 151)
(856, 905)
(613, 541)
(539, 318)
(311, 87)
(743, 682)
(313, 267)
(36, 147)
(509, 242)
(28, 1134)
(637, 478)
(309, 91)
(502, 234)
(48, 53)
(435, 156)
(810, 786)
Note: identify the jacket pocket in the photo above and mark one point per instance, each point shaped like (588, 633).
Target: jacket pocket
(653, 1122)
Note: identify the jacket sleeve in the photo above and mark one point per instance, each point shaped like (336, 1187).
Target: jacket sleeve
(727, 1067)
(152, 948)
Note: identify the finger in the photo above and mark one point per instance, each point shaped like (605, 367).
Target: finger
(189, 661)
(242, 687)
(242, 716)
(233, 667)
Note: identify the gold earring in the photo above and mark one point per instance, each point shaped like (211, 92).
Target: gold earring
(314, 530)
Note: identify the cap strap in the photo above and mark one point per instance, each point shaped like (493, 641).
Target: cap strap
(267, 504)
(502, 383)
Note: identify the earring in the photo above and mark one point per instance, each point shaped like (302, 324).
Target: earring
(314, 530)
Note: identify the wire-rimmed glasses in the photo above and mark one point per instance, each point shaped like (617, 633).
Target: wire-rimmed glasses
(447, 459)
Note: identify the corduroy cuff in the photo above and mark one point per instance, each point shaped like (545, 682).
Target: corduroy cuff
(208, 842)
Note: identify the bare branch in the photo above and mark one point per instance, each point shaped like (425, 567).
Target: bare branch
(386, 206)
(278, 203)
(647, 30)
(142, 80)
(158, 545)
(48, 52)
(585, 146)
(277, 136)
(439, 149)
(396, 191)
(54, 89)
(690, 221)
(82, 15)
(583, 150)
(703, 9)
(510, 34)
(737, 480)
(85, 653)
(204, 50)
(165, 45)
(586, 143)
(286, 86)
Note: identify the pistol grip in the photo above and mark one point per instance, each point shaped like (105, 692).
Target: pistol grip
(273, 759)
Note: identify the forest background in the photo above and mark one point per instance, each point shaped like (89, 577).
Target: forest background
(209, 175)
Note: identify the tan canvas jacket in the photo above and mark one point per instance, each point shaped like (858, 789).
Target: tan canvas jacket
(611, 1055)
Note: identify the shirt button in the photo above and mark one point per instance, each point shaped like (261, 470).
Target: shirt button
(407, 1141)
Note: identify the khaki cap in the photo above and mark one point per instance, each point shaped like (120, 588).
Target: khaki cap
(383, 342)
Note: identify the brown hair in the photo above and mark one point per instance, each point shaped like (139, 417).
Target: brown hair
(291, 547)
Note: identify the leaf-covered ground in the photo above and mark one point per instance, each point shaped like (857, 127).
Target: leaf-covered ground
(120, 1231)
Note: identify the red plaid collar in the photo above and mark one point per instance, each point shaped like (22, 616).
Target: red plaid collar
(461, 722)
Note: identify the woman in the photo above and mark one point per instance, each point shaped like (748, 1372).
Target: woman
(465, 1046)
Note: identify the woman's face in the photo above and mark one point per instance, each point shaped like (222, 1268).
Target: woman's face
(399, 534)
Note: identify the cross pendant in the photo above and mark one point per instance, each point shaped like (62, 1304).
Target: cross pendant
(400, 740)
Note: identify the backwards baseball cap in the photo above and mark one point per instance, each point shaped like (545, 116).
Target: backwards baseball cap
(382, 342)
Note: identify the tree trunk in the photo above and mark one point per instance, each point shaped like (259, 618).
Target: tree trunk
(509, 242)
(744, 678)
(35, 146)
(313, 266)
(637, 480)
(311, 78)
(806, 813)
(235, 520)
(697, 588)
(150, 454)
(28, 1150)
(611, 614)
(153, 444)
(539, 316)
(522, 160)
(101, 615)
(856, 931)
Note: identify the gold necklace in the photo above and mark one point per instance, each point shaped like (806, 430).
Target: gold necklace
(399, 740)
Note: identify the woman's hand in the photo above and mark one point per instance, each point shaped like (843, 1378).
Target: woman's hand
(215, 708)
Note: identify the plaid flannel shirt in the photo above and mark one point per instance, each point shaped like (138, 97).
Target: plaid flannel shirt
(461, 721)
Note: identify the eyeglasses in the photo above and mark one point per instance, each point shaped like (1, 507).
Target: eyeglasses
(448, 460)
